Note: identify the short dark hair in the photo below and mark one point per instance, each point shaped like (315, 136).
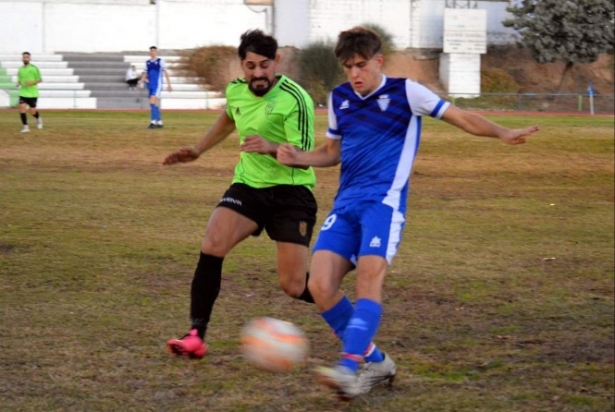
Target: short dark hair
(153, 48)
(358, 40)
(24, 53)
(256, 41)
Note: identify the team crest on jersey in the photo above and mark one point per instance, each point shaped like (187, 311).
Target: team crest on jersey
(269, 107)
(303, 228)
(344, 105)
(383, 102)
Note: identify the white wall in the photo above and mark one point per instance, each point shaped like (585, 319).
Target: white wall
(14, 34)
(431, 30)
(412, 23)
(300, 22)
(496, 14)
(460, 74)
(47, 26)
(292, 23)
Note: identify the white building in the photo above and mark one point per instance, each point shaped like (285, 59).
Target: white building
(48, 26)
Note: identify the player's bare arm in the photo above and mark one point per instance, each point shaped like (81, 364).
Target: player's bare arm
(258, 144)
(479, 126)
(325, 155)
(142, 79)
(166, 75)
(223, 127)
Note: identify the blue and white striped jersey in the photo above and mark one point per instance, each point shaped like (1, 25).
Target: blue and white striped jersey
(380, 135)
(154, 69)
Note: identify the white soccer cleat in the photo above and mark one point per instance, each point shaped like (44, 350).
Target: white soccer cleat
(25, 129)
(339, 378)
(39, 122)
(376, 373)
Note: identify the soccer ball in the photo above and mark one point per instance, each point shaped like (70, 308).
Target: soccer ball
(273, 344)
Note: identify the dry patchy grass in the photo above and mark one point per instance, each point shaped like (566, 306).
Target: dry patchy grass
(500, 299)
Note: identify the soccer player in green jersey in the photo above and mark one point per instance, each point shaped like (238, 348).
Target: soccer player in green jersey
(266, 110)
(28, 77)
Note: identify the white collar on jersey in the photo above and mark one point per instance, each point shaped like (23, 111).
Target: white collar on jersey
(384, 80)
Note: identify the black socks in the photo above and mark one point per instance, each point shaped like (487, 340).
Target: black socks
(306, 296)
(204, 291)
(206, 287)
(24, 119)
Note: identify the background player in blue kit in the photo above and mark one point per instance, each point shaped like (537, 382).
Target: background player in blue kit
(152, 73)
(374, 131)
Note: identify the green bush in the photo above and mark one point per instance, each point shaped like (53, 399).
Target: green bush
(210, 65)
(497, 81)
(319, 70)
(388, 46)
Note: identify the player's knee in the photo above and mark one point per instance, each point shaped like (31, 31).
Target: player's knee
(319, 288)
(292, 286)
(215, 245)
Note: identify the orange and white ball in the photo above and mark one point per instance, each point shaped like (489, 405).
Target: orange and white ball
(274, 345)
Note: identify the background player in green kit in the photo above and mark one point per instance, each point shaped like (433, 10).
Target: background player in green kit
(267, 110)
(28, 77)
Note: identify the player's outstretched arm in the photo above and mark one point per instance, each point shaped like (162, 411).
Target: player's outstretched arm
(479, 126)
(325, 155)
(218, 132)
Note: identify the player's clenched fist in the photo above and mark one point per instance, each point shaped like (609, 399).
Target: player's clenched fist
(287, 154)
(181, 155)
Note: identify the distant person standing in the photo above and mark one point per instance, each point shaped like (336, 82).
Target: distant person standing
(154, 68)
(28, 77)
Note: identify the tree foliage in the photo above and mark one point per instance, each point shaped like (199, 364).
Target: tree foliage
(319, 70)
(388, 46)
(573, 31)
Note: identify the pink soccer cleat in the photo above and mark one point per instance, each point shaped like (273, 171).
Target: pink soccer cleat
(190, 345)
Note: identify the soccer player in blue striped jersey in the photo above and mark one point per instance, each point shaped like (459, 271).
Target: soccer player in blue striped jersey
(374, 132)
(153, 70)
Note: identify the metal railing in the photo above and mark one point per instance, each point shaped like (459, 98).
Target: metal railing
(536, 102)
(532, 102)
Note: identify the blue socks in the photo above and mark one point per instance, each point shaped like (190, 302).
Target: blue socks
(360, 331)
(155, 113)
(339, 316)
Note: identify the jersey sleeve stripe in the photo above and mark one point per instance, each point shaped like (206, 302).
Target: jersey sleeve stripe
(303, 114)
(436, 109)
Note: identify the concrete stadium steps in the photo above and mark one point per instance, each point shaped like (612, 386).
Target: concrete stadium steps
(103, 74)
(60, 89)
(40, 64)
(53, 79)
(177, 87)
(164, 95)
(139, 60)
(96, 80)
(44, 72)
(57, 93)
(37, 57)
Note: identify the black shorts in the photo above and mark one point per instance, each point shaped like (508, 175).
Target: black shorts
(30, 101)
(287, 213)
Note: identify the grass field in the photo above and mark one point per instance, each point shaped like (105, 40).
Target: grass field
(500, 299)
